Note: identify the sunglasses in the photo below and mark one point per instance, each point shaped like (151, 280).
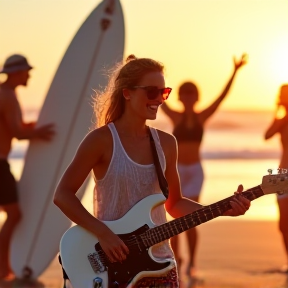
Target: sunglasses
(152, 92)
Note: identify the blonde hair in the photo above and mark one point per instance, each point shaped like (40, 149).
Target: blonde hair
(109, 104)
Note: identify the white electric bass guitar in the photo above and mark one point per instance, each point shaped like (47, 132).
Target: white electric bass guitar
(87, 266)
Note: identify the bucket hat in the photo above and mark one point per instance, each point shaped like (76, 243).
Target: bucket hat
(15, 63)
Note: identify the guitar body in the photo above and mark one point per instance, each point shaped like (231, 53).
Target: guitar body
(77, 244)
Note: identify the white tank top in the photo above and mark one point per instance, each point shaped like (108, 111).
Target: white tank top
(126, 183)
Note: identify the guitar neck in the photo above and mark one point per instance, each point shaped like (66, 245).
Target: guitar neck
(205, 214)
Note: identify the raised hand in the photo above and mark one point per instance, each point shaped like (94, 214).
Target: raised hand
(242, 61)
(45, 132)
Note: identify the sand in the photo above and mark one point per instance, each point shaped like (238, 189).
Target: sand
(231, 254)
(240, 254)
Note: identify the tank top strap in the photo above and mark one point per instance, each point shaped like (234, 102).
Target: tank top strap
(159, 149)
(115, 136)
(118, 150)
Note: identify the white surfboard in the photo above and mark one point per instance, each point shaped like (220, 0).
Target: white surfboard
(98, 43)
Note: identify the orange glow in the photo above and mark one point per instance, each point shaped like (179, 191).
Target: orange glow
(279, 60)
(196, 40)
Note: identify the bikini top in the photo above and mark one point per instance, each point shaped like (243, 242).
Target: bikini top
(183, 133)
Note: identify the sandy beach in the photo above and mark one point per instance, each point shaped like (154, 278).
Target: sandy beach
(232, 253)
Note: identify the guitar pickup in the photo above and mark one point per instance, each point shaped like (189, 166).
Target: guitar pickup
(96, 263)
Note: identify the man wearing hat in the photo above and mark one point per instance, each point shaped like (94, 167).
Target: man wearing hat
(12, 126)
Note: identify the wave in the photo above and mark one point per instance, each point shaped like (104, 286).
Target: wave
(19, 152)
(229, 135)
(242, 154)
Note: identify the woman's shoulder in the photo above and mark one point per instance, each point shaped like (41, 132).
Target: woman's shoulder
(166, 138)
(174, 115)
(99, 136)
(169, 145)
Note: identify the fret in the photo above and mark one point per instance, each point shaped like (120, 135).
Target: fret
(154, 237)
(186, 223)
(181, 226)
(198, 216)
(174, 228)
(161, 229)
(144, 240)
(211, 211)
(167, 230)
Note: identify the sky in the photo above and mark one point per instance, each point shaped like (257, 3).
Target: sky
(196, 40)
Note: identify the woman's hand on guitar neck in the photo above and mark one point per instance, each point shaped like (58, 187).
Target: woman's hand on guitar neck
(239, 204)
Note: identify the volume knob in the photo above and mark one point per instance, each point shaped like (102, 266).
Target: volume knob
(97, 282)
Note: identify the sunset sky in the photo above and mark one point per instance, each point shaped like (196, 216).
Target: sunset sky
(195, 40)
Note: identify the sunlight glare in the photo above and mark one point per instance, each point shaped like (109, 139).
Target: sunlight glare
(279, 61)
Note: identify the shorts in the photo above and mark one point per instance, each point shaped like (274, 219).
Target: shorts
(8, 186)
(282, 196)
(191, 179)
(168, 281)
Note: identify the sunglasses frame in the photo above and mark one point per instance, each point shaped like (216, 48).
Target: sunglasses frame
(155, 88)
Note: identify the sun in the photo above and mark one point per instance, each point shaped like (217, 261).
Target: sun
(279, 61)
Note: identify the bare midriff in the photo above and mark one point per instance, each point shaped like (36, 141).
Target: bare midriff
(284, 159)
(5, 143)
(284, 143)
(188, 152)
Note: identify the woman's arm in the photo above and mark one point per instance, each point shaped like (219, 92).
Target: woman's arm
(206, 113)
(173, 115)
(18, 128)
(177, 205)
(275, 127)
(88, 155)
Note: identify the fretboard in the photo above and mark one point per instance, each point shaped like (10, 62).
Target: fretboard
(207, 213)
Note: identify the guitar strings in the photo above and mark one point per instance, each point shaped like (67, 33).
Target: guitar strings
(153, 234)
(209, 211)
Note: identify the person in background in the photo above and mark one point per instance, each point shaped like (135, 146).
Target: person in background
(119, 154)
(12, 126)
(279, 126)
(189, 130)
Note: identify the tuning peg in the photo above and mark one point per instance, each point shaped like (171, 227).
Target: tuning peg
(270, 171)
(282, 170)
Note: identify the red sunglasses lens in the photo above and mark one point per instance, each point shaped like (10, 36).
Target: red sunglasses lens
(166, 92)
(153, 93)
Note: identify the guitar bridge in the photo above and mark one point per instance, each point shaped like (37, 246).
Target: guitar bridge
(96, 263)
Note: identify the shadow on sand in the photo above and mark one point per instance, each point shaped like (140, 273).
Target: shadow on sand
(21, 283)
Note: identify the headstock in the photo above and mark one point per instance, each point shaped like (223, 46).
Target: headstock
(275, 183)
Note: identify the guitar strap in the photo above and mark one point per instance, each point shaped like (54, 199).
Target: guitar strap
(65, 276)
(161, 178)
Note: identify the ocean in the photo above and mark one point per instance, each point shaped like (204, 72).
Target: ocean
(233, 151)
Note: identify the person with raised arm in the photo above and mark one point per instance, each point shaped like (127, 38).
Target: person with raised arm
(189, 128)
(279, 126)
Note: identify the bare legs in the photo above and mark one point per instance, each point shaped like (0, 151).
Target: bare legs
(191, 236)
(283, 222)
(13, 217)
